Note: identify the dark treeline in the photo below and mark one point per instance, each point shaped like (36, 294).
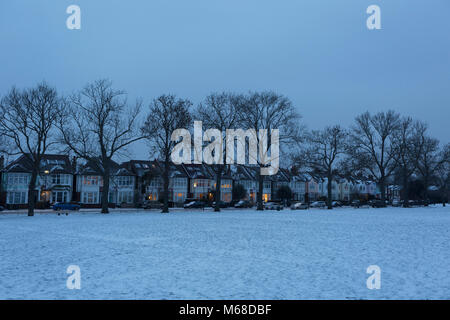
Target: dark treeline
(98, 123)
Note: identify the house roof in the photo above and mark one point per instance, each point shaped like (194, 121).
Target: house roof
(96, 168)
(240, 172)
(142, 167)
(198, 171)
(175, 170)
(53, 163)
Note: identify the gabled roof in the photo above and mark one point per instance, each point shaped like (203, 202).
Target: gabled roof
(197, 171)
(53, 163)
(255, 170)
(142, 167)
(93, 167)
(154, 168)
(283, 175)
(175, 170)
(298, 176)
(240, 172)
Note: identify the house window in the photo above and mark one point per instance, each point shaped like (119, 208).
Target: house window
(18, 178)
(124, 180)
(59, 196)
(125, 197)
(60, 179)
(178, 182)
(179, 197)
(16, 197)
(153, 196)
(91, 180)
(90, 197)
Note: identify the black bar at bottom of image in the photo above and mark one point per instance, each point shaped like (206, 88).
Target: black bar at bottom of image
(224, 309)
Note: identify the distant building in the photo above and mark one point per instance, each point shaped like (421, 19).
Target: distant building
(323, 189)
(244, 176)
(298, 183)
(280, 179)
(54, 182)
(89, 185)
(393, 192)
(312, 188)
(344, 189)
(201, 181)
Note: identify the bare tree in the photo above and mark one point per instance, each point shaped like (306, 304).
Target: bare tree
(98, 124)
(220, 112)
(371, 145)
(442, 175)
(407, 145)
(268, 111)
(27, 123)
(167, 113)
(430, 160)
(323, 151)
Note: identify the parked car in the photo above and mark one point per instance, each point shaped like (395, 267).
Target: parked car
(222, 204)
(355, 203)
(152, 205)
(336, 204)
(2, 208)
(194, 204)
(396, 203)
(243, 204)
(66, 206)
(273, 206)
(377, 204)
(318, 204)
(299, 206)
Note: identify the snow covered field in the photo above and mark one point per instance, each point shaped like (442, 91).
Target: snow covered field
(235, 254)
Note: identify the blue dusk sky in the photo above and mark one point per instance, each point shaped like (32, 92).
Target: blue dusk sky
(318, 53)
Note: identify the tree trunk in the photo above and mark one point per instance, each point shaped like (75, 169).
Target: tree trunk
(260, 206)
(329, 193)
(218, 186)
(405, 190)
(165, 208)
(444, 196)
(105, 191)
(31, 193)
(425, 193)
(383, 189)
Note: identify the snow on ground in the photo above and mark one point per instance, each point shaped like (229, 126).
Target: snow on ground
(235, 254)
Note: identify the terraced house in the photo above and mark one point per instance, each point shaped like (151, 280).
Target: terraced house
(89, 185)
(201, 181)
(298, 186)
(54, 183)
(149, 182)
(145, 171)
(136, 181)
(245, 176)
(280, 179)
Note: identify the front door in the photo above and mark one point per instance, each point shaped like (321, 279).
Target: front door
(59, 196)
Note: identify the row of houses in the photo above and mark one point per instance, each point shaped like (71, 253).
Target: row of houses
(62, 179)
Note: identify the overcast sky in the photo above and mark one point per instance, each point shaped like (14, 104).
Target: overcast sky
(318, 53)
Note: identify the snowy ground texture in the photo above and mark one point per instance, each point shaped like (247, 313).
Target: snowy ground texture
(235, 254)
